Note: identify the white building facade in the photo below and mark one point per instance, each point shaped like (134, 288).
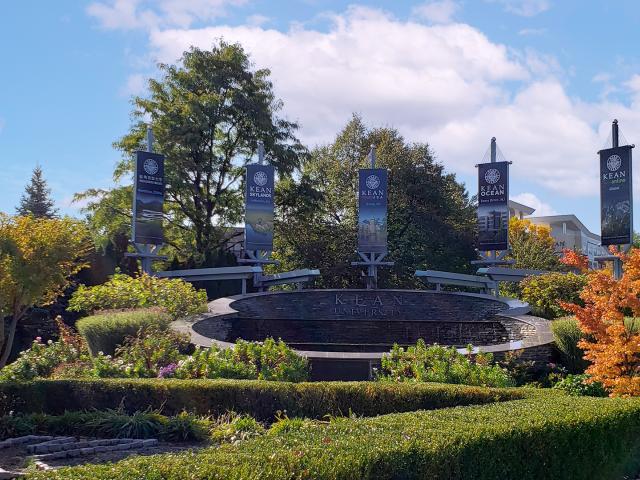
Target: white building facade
(567, 230)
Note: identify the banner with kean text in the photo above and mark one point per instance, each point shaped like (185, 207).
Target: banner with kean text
(616, 196)
(148, 199)
(493, 206)
(259, 210)
(372, 210)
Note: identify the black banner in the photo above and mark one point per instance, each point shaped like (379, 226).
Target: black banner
(372, 210)
(258, 229)
(493, 206)
(148, 198)
(616, 196)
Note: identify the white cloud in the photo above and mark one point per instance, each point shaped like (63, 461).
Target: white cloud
(257, 20)
(602, 77)
(449, 85)
(151, 14)
(436, 11)
(531, 200)
(136, 85)
(525, 8)
(525, 32)
(364, 63)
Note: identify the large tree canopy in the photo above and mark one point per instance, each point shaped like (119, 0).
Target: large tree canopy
(208, 115)
(431, 217)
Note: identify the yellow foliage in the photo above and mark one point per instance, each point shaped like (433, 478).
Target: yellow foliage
(532, 246)
(37, 257)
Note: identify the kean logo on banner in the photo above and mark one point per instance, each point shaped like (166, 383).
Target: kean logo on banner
(493, 206)
(259, 210)
(616, 196)
(372, 210)
(148, 198)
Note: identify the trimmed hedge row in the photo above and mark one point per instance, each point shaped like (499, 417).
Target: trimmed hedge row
(260, 399)
(539, 437)
(106, 331)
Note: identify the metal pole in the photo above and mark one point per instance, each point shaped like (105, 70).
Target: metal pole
(149, 139)
(615, 142)
(493, 149)
(260, 152)
(372, 282)
(372, 156)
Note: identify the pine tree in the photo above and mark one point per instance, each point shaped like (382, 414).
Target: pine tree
(36, 200)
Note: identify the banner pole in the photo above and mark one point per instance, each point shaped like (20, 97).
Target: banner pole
(615, 142)
(260, 152)
(493, 149)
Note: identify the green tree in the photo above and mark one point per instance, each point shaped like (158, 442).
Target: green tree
(208, 114)
(37, 258)
(36, 199)
(431, 221)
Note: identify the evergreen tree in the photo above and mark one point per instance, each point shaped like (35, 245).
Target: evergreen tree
(36, 200)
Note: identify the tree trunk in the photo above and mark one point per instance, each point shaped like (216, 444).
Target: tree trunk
(8, 343)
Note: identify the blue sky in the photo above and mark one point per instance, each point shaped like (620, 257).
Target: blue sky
(546, 77)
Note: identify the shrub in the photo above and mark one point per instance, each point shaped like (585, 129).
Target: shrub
(262, 400)
(106, 331)
(185, 427)
(177, 297)
(546, 292)
(545, 436)
(567, 334)
(268, 360)
(235, 428)
(152, 349)
(111, 424)
(285, 425)
(435, 363)
(117, 424)
(577, 385)
(40, 360)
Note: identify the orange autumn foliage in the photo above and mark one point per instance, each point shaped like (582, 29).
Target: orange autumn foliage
(613, 343)
(575, 259)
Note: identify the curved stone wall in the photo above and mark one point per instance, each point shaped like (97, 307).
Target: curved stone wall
(347, 326)
(373, 305)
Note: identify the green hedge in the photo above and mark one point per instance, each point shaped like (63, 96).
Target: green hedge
(106, 331)
(541, 437)
(260, 399)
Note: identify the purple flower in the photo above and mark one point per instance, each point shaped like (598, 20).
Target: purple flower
(168, 371)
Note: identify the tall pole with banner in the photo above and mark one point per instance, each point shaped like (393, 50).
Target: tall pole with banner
(148, 199)
(616, 198)
(372, 219)
(493, 210)
(259, 213)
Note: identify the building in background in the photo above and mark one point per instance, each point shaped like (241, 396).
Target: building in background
(567, 230)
